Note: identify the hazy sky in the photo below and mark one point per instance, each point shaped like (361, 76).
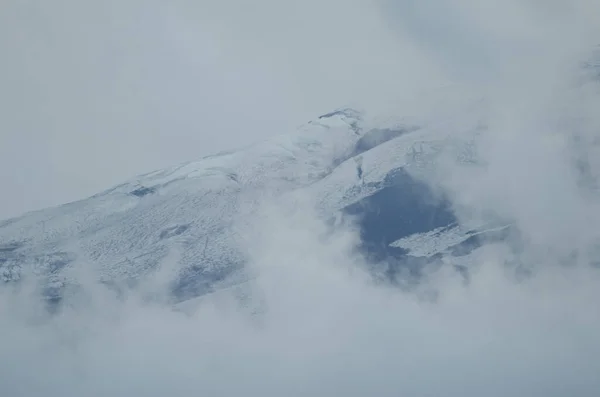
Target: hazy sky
(94, 92)
(97, 92)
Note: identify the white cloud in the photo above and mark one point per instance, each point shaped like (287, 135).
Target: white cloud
(326, 330)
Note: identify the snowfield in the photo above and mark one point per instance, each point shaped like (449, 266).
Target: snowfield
(348, 162)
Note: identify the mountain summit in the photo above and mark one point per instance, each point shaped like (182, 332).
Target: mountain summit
(347, 162)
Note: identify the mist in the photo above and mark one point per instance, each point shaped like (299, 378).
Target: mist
(313, 320)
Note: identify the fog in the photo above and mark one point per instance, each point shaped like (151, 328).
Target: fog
(313, 321)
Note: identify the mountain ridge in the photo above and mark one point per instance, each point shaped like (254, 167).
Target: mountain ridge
(344, 160)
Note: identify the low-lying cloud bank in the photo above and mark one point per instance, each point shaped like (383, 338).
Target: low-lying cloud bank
(313, 323)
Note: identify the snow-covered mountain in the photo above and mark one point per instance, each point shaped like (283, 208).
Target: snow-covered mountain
(348, 161)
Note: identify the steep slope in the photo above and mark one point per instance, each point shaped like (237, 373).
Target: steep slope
(349, 163)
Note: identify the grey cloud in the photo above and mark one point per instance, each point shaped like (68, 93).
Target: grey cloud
(325, 328)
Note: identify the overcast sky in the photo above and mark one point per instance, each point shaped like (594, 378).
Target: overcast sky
(93, 93)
